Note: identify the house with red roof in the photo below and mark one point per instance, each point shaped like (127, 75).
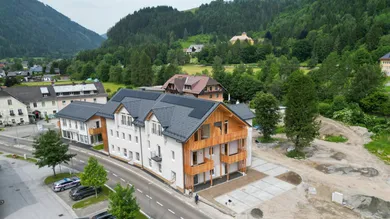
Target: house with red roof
(202, 87)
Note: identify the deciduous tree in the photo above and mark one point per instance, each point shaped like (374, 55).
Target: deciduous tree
(50, 150)
(123, 203)
(94, 174)
(267, 113)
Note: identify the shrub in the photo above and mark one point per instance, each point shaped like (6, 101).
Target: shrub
(325, 109)
(339, 103)
(296, 154)
(108, 90)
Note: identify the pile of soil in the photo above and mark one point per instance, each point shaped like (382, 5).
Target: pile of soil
(290, 177)
(369, 206)
(347, 170)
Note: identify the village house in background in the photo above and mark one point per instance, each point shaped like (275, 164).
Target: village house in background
(202, 87)
(242, 38)
(184, 141)
(385, 64)
(194, 49)
(25, 104)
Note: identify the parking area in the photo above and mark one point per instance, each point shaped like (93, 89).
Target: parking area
(25, 195)
(257, 192)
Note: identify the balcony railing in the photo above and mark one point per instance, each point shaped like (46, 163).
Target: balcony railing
(220, 139)
(95, 131)
(207, 165)
(156, 156)
(233, 158)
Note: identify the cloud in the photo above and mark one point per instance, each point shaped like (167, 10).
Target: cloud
(100, 15)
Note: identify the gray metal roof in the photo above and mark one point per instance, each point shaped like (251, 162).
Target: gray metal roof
(80, 111)
(74, 88)
(242, 110)
(387, 56)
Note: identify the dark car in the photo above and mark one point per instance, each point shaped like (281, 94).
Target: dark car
(66, 183)
(82, 192)
(103, 215)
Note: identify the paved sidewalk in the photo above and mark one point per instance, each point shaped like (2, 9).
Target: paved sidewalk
(25, 195)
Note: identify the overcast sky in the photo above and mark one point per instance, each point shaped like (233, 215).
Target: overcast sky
(100, 15)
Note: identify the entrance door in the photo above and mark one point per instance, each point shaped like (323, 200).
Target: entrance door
(97, 124)
(196, 180)
(194, 158)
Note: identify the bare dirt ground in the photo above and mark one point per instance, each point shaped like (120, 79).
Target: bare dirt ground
(343, 167)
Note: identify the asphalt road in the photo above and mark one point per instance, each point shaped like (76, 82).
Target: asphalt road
(155, 199)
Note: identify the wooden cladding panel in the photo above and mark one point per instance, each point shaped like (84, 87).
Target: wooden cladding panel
(95, 131)
(229, 159)
(200, 168)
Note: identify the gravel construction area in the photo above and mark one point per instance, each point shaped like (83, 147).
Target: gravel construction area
(330, 167)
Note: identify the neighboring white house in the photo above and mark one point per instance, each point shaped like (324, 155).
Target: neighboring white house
(194, 49)
(12, 111)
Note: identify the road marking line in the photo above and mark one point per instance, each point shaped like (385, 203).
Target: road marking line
(130, 184)
(107, 171)
(148, 196)
(166, 190)
(181, 218)
(171, 211)
(115, 175)
(139, 190)
(109, 188)
(98, 156)
(201, 211)
(82, 151)
(123, 180)
(160, 204)
(82, 161)
(90, 153)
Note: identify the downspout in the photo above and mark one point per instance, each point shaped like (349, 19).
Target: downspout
(140, 143)
(184, 173)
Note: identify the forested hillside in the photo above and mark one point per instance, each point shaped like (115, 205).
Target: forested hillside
(30, 28)
(224, 18)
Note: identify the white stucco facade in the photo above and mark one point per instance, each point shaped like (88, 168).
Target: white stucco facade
(79, 131)
(12, 111)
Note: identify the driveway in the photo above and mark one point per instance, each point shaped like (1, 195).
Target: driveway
(255, 193)
(25, 195)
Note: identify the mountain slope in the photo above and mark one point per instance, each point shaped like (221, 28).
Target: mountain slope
(224, 18)
(30, 28)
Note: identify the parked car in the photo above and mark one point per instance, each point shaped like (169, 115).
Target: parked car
(103, 215)
(82, 192)
(66, 183)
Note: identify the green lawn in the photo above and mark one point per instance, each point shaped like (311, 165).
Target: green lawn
(380, 146)
(296, 154)
(29, 159)
(280, 130)
(92, 200)
(193, 69)
(1, 152)
(59, 176)
(197, 39)
(44, 83)
(98, 147)
(141, 216)
(336, 138)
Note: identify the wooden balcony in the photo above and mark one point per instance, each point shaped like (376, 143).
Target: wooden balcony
(207, 165)
(95, 131)
(229, 159)
(220, 139)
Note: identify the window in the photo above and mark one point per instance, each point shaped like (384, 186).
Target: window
(148, 144)
(9, 102)
(154, 128)
(119, 150)
(112, 132)
(226, 126)
(21, 120)
(173, 176)
(13, 120)
(71, 101)
(20, 111)
(64, 134)
(123, 135)
(129, 137)
(150, 162)
(210, 88)
(131, 155)
(205, 131)
(54, 111)
(219, 126)
(64, 102)
(217, 95)
(159, 130)
(129, 121)
(11, 112)
(82, 126)
(159, 168)
(94, 100)
(123, 120)
(53, 103)
(64, 122)
(173, 155)
(211, 150)
(43, 104)
(117, 134)
(137, 156)
(70, 124)
(75, 125)
(212, 172)
(196, 136)
(125, 152)
(136, 139)
(211, 96)
(35, 104)
(113, 147)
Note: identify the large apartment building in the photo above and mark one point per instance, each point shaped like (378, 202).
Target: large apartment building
(202, 87)
(30, 102)
(182, 140)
